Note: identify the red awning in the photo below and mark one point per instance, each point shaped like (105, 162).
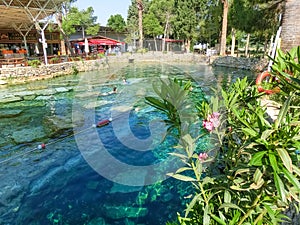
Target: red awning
(173, 40)
(104, 42)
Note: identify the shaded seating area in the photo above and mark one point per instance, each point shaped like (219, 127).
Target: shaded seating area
(97, 45)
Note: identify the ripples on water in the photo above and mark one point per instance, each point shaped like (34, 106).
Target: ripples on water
(57, 185)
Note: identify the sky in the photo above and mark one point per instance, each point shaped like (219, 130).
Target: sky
(103, 9)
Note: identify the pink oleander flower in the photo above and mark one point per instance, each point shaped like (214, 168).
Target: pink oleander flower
(215, 119)
(216, 115)
(202, 156)
(208, 125)
(212, 121)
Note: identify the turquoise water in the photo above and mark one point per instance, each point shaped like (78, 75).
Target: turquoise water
(87, 175)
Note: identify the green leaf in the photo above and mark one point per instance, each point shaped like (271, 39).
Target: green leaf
(283, 111)
(155, 102)
(270, 211)
(181, 177)
(240, 171)
(266, 134)
(217, 219)
(237, 188)
(227, 199)
(257, 185)
(286, 159)
(256, 160)
(236, 217)
(181, 156)
(291, 179)
(231, 205)
(208, 180)
(296, 170)
(257, 176)
(206, 217)
(250, 131)
(191, 205)
(182, 169)
(273, 162)
(280, 187)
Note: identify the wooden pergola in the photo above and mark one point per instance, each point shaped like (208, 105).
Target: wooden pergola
(23, 15)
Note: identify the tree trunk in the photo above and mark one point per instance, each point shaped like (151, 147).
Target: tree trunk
(65, 37)
(290, 36)
(224, 28)
(155, 43)
(63, 47)
(140, 10)
(165, 34)
(188, 46)
(247, 45)
(232, 41)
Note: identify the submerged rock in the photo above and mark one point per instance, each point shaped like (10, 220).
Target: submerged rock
(56, 123)
(10, 113)
(45, 180)
(28, 135)
(97, 221)
(62, 89)
(92, 185)
(10, 99)
(121, 212)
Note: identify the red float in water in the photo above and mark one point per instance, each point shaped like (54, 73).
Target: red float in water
(103, 123)
(42, 146)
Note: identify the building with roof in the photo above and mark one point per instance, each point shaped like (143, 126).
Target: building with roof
(23, 27)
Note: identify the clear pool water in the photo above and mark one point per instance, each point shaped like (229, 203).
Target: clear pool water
(86, 175)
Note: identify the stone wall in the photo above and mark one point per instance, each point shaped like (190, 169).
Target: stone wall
(23, 74)
(290, 35)
(253, 64)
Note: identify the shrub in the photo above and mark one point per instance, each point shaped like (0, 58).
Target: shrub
(54, 60)
(34, 63)
(75, 70)
(250, 174)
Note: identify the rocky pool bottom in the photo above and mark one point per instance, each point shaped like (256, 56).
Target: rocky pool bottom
(57, 185)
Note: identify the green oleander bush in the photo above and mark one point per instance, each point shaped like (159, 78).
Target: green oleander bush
(250, 172)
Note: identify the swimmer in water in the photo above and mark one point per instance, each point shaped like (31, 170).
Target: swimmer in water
(114, 91)
(125, 81)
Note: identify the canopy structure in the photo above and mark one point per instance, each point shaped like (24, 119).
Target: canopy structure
(104, 41)
(98, 41)
(22, 14)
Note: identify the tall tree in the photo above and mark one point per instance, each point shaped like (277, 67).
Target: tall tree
(83, 19)
(152, 27)
(65, 7)
(140, 8)
(210, 22)
(164, 12)
(244, 17)
(134, 21)
(224, 27)
(117, 23)
(186, 20)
